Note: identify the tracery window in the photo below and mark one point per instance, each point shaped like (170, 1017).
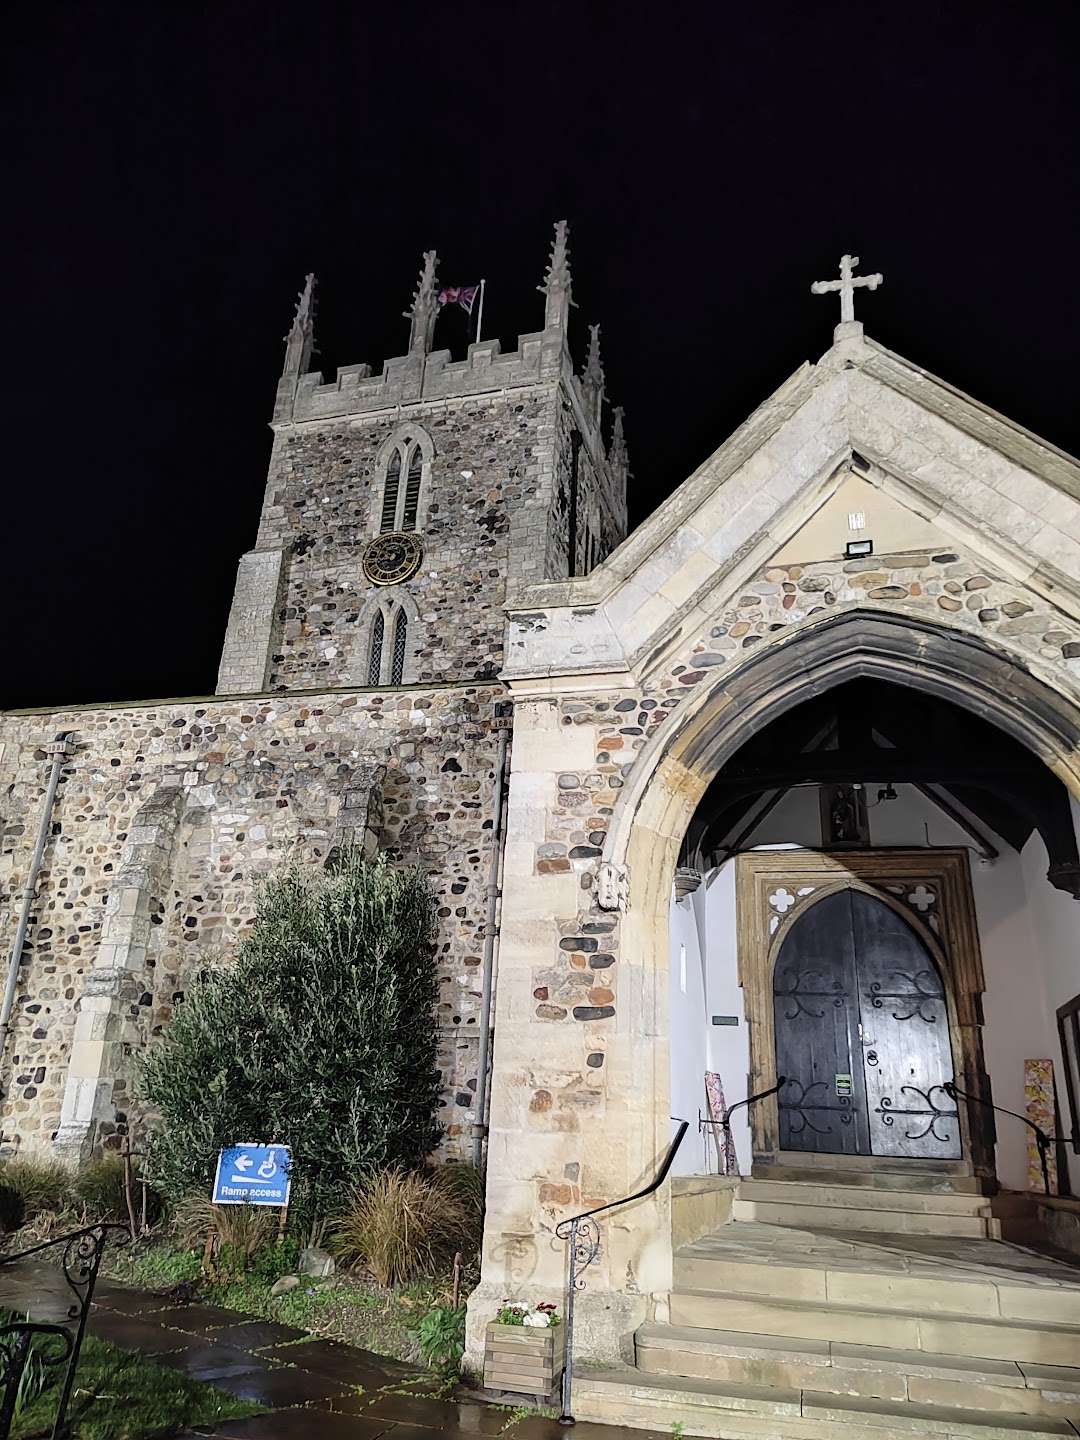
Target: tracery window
(405, 463)
(388, 654)
(378, 632)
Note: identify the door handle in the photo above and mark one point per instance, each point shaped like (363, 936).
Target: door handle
(871, 1057)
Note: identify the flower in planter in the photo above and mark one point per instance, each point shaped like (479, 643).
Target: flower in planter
(514, 1312)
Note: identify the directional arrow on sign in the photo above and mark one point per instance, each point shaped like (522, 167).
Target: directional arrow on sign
(243, 1162)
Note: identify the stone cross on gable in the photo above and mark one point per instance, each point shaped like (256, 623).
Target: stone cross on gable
(846, 285)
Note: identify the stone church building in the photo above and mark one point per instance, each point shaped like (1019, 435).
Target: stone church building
(775, 797)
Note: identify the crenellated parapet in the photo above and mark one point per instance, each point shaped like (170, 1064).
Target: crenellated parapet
(539, 359)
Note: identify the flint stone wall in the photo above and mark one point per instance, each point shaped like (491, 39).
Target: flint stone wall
(323, 500)
(411, 770)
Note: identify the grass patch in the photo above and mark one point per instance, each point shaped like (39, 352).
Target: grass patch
(120, 1395)
(378, 1318)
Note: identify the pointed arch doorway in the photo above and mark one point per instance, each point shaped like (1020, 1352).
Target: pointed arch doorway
(862, 1034)
(862, 982)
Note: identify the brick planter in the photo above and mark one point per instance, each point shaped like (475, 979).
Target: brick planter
(523, 1359)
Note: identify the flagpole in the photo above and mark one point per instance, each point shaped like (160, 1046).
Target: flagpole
(480, 311)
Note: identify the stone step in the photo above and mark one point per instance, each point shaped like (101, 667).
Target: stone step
(869, 1371)
(845, 1197)
(882, 1286)
(759, 1412)
(874, 1219)
(957, 1179)
(988, 1338)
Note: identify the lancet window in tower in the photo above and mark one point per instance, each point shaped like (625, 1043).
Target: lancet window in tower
(390, 492)
(403, 482)
(397, 659)
(378, 628)
(388, 645)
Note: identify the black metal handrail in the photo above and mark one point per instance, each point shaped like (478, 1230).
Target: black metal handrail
(583, 1235)
(1042, 1140)
(724, 1123)
(80, 1263)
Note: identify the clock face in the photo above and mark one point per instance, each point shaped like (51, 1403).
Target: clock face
(392, 558)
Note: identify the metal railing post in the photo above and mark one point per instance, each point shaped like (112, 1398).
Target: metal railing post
(724, 1123)
(583, 1236)
(1043, 1141)
(83, 1252)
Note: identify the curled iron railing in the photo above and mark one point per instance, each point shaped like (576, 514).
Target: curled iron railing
(582, 1233)
(1043, 1141)
(53, 1343)
(583, 1236)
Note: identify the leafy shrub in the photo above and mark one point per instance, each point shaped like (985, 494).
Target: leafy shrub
(41, 1184)
(273, 1261)
(400, 1224)
(241, 1229)
(320, 1035)
(441, 1336)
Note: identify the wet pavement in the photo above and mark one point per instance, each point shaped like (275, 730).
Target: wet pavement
(309, 1386)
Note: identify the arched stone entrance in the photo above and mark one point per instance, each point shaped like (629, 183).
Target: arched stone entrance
(565, 1134)
(673, 772)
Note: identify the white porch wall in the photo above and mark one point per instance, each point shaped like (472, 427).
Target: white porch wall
(689, 1021)
(1030, 939)
(1056, 925)
(729, 1045)
(705, 924)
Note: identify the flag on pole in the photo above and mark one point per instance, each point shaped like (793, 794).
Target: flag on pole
(463, 295)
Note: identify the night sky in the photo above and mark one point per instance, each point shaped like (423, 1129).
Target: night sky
(173, 170)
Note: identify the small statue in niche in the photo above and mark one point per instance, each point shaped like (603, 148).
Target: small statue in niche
(844, 819)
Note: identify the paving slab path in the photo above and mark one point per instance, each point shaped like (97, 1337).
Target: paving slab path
(312, 1389)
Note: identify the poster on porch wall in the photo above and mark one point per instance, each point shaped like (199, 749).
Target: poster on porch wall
(1039, 1102)
(727, 1164)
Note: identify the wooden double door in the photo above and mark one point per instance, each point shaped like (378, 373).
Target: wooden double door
(861, 1026)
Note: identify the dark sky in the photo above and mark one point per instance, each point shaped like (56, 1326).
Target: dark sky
(174, 169)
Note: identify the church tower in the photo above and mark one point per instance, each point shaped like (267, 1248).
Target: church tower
(402, 509)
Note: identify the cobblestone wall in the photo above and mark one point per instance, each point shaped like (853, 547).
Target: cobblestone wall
(252, 781)
(322, 503)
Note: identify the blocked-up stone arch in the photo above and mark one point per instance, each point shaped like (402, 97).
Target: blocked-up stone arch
(109, 1022)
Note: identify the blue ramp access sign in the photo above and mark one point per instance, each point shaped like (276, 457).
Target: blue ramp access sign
(253, 1175)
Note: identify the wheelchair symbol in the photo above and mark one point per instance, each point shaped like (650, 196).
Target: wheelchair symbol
(268, 1169)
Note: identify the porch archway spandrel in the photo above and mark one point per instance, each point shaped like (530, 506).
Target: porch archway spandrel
(673, 770)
